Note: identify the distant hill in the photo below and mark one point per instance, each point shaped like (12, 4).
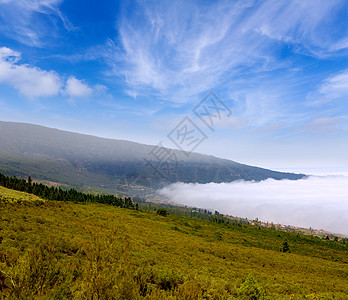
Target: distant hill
(83, 160)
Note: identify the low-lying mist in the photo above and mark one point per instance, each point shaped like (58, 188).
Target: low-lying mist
(317, 202)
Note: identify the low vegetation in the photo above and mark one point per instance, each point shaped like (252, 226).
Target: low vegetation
(57, 249)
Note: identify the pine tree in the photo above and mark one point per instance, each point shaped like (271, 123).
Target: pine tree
(29, 185)
(285, 247)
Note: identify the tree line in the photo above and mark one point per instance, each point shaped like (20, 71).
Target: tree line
(58, 194)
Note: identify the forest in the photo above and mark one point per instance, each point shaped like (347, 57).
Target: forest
(54, 193)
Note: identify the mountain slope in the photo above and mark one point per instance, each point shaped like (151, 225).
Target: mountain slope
(83, 160)
(105, 252)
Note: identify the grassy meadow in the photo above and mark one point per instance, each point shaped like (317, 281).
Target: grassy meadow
(8, 195)
(66, 250)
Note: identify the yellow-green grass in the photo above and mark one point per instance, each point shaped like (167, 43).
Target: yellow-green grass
(13, 196)
(84, 251)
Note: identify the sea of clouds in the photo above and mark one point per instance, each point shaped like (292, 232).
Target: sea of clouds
(320, 202)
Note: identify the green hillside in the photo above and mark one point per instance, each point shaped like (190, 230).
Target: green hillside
(56, 250)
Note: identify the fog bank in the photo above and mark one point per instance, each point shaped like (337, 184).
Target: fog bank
(317, 202)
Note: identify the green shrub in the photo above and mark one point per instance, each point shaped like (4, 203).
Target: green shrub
(162, 212)
(250, 290)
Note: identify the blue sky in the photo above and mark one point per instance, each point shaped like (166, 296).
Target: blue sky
(133, 70)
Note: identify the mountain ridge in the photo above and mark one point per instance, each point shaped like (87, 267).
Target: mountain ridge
(86, 160)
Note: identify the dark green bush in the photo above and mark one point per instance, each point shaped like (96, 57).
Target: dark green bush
(162, 212)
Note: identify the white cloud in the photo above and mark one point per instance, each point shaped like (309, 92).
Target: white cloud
(131, 93)
(34, 82)
(335, 86)
(318, 202)
(29, 81)
(9, 55)
(76, 88)
(332, 89)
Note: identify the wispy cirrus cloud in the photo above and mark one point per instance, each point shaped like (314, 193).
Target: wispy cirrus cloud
(307, 25)
(329, 99)
(30, 21)
(169, 47)
(246, 51)
(332, 88)
(325, 125)
(166, 46)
